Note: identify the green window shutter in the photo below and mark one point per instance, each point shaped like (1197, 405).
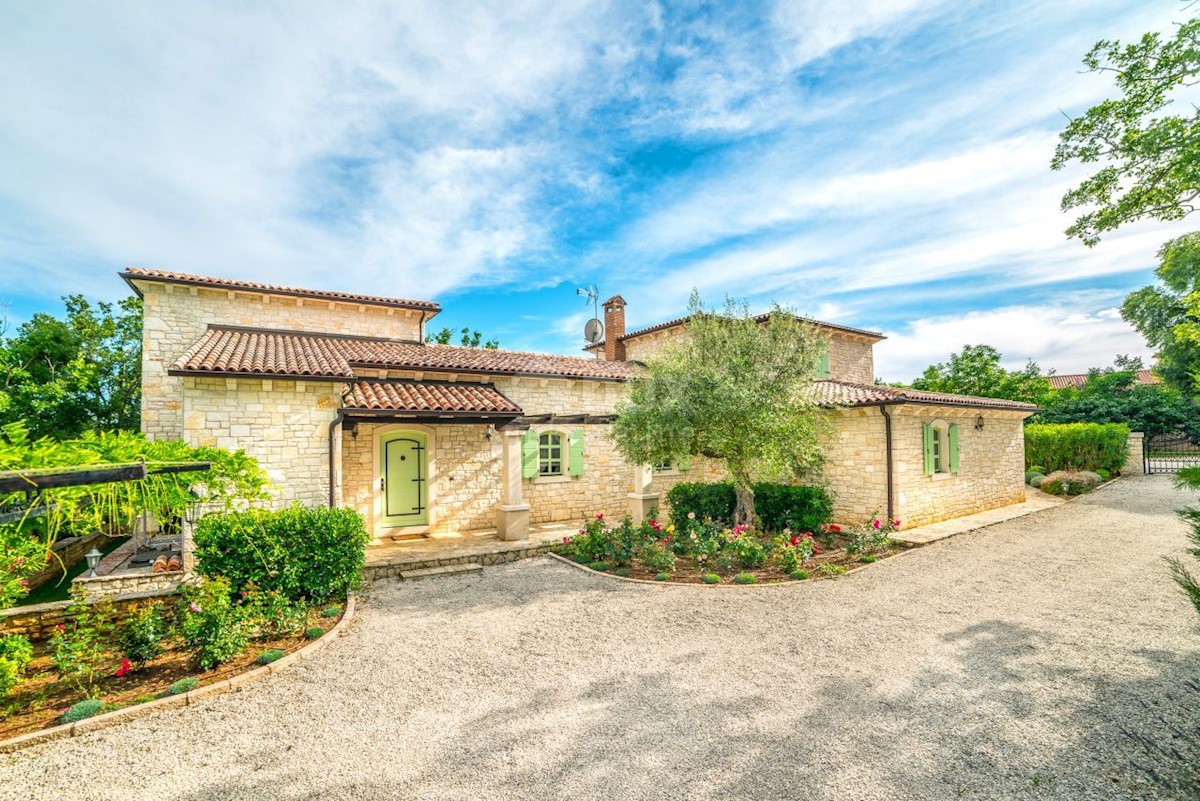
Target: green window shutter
(929, 434)
(576, 451)
(684, 463)
(529, 455)
(823, 365)
(952, 435)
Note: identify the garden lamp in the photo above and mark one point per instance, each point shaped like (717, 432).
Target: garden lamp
(93, 561)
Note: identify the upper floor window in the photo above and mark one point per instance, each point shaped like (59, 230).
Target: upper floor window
(823, 365)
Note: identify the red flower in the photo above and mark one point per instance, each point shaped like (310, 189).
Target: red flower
(795, 540)
(816, 549)
(895, 524)
(875, 524)
(835, 527)
(600, 516)
(566, 540)
(124, 668)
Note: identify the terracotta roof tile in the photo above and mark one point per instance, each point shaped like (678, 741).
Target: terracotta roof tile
(426, 396)
(225, 349)
(842, 393)
(1078, 380)
(133, 273)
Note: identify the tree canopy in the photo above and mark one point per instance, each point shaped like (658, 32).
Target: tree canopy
(467, 338)
(81, 373)
(1167, 314)
(976, 370)
(733, 389)
(1150, 159)
(1113, 395)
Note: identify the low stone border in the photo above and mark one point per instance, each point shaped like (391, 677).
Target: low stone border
(88, 725)
(727, 585)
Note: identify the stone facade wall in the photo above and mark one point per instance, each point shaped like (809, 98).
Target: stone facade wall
(282, 424)
(855, 467)
(464, 473)
(603, 488)
(176, 316)
(991, 464)
(558, 396)
(851, 359)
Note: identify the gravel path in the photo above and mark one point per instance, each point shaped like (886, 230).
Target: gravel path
(1046, 657)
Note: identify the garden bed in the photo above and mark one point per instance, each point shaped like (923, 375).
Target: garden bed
(41, 698)
(709, 552)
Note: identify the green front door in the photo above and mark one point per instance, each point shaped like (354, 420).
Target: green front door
(405, 487)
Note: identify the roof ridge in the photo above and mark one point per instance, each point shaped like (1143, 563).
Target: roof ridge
(761, 316)
(129, 274)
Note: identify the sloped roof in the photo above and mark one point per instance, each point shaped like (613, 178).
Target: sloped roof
(762, 318)
(427, 396)
(1079, 379)
(843, 393)
(249, 351)
(165, 276)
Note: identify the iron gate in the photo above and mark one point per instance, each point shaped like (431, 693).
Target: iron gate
(1166, 453)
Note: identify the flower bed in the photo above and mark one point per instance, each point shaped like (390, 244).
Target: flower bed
(706, 552)
(92, 665)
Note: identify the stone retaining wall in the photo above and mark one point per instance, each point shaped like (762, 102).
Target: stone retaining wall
(38, 622)
(66, 552)
(373, 572)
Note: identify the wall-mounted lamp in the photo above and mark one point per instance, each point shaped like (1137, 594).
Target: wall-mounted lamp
(979, 423)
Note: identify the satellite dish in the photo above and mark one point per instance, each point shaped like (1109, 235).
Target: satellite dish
(593, 331)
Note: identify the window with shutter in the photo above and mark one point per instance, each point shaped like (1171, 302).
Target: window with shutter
(550, 454)
(575, 466)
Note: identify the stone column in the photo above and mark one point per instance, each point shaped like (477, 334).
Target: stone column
(1135, 463)
(335, 464)
(512, 519)
(641, 500)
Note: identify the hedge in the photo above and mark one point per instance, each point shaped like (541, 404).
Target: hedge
(307, 554)
(1077, 446)
(778, 506)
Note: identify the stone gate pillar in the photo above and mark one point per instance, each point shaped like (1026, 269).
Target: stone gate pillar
(512, 518)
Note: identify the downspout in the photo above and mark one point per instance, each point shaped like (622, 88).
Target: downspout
(335, 425)
(421, 329)
(887, 433)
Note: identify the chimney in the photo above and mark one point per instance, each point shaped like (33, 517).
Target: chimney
(614, 329)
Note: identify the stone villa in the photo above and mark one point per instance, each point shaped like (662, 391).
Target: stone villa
(343, 402)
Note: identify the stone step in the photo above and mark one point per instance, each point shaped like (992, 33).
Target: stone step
(438, 572)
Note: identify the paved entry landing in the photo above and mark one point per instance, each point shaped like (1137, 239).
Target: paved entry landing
(923, 535)
(461, 548)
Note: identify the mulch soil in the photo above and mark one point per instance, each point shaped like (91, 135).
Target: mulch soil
(40, 698)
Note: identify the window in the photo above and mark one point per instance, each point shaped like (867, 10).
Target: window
(941, 448)
(663, 466)
(823, 365)
(550, 454)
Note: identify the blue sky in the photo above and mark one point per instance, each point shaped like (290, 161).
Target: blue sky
(882, 164)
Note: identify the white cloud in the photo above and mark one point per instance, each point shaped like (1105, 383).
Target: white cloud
(1057, 336)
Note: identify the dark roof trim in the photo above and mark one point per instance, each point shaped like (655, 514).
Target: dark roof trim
(165, 277)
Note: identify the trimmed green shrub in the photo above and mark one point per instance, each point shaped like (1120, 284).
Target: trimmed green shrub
(799, 575)
(1077, 446)
(211, 625)
(833, 570)
(745, 578)
(663, 577)
(779, 506)
(710, 578)
(1069, 483)
(183, 686)
(581, 559)
(1037, 482)
(311, 554)
(623, 572)
(599, 567)
(313, 633)
(142, 634)
(868, 559)
(1037, 468)
(1033, 479)
(81, 710)
(1104, 475)
(268, 656)
(1030, 473)
(332, 611)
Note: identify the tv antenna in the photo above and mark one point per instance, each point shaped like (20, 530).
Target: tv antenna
(593, 329)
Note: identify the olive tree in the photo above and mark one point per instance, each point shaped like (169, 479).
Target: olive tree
(735, 388)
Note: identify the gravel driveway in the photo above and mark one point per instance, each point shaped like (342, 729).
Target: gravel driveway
(1046, 657)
